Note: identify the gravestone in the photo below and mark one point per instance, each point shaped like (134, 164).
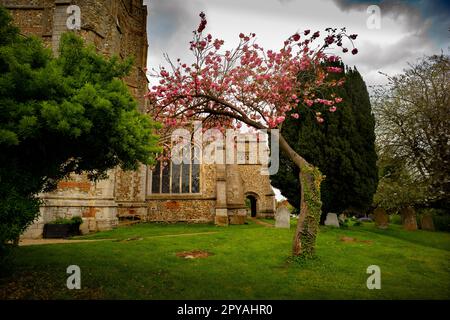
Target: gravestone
(282, 218)
(409, 218)
(381, 218)
(332, 220)
(427, 222)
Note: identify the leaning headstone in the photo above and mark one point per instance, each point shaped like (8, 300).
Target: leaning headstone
(332, 220)
(381, 218)
(409, 218)
(282, 218)
(427, 222)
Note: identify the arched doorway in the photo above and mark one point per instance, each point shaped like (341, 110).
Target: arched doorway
(251, 205)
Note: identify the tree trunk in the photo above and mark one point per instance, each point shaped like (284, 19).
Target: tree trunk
(310, 204)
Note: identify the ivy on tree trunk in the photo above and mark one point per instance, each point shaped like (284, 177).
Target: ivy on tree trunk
(310, 209)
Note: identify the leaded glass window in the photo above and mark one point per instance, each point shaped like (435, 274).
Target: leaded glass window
(173, 178)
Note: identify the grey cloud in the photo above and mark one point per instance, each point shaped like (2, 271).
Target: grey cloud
(168, 17)
(392, 8)
(170, 21)
(374, 57)
(434, 15)
(425, 23)
(166, 21)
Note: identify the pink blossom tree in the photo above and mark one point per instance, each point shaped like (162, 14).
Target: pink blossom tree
(260, 88)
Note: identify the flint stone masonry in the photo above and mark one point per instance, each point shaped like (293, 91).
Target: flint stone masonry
(118, 27)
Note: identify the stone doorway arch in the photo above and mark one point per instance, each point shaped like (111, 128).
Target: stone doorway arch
(252, 203)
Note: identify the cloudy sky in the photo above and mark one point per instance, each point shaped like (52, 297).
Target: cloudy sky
(408, 29)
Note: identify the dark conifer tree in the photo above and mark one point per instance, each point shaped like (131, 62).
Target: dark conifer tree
(343, 147)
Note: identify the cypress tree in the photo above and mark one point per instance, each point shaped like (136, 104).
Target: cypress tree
(342, 147)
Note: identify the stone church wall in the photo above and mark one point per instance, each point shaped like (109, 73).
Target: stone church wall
(186, 207)
(257, 185)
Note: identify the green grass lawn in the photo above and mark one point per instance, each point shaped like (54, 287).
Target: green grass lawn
(247, 262)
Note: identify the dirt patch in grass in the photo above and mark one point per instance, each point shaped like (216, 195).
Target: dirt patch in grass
(194, 254)
(131, 239)
(262, 223)
(354, 240)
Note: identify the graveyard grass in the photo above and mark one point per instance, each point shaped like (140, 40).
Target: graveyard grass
(246, 262)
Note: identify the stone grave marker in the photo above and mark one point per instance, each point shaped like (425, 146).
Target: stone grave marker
(332, 220)
(282, 218)
(381, 218)
(409, 218)
(427, 222)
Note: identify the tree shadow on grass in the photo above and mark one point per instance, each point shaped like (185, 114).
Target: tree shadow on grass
(436, 240)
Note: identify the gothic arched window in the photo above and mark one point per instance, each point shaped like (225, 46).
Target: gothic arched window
(177, 178)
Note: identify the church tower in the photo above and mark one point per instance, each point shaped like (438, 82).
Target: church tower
(114, 27)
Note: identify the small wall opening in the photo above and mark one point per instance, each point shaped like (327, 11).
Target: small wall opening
(250, 202)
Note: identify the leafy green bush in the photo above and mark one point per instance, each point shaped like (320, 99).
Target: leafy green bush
(395, 219)
(357, 223)
(74, 220)
(344, 223)
(442, 223)
(77, 220)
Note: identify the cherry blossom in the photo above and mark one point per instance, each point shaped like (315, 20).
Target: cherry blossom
(247, 84)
